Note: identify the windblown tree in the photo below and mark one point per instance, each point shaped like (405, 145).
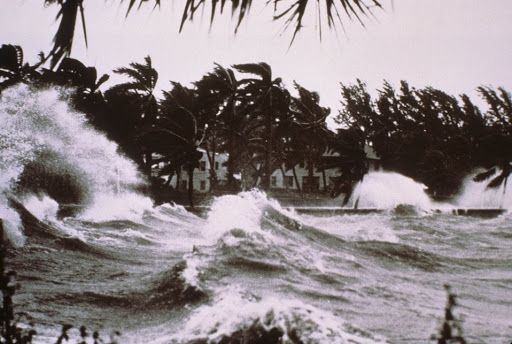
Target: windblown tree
(311, 132)
(264, 100)
(139, 91)
(425, 134)
(178, 132)
(218, 93)
(494, 151)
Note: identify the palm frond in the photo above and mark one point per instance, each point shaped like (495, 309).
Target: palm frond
(261, 69)
(239, 9)
(63, 39)
(11, 57)
(128, 87)
(293, 12)
(497, 181)
(132, 3)
(480, 177)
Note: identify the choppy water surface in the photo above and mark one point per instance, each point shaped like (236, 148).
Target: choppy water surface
(163, 275)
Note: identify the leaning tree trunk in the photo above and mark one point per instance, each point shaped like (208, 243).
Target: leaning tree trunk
(325, 181)
(178, 178)
(212, 173)
(191, 185)
(284, 176)
(296, 179)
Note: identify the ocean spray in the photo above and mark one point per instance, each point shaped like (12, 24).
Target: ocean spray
(41, 136)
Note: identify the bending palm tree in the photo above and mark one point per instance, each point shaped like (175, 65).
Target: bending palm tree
(218, 91)
(141, 87)
(179, 132)
(266, 101)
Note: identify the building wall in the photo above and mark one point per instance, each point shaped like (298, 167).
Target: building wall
(278, 181)
(202, 174)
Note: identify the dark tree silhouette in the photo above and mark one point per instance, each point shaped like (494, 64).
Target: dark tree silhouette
(140, 88)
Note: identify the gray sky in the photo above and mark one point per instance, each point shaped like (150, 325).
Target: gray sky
(453, 45)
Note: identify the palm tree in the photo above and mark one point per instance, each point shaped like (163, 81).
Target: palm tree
(494, 152)
(217, 95)
(312, 129)
(12, 67)
(141, 89)
(178, 132)
(63, 40)
(292, 11)
(265, 100)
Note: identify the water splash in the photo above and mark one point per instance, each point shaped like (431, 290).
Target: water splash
(245, 211)
(238, 314)
(478, 195)
(47, 149)
(11, 223)
(386, 190)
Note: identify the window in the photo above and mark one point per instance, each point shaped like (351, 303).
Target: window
(289, 181)
(202, 165)
(216, 165)
(273, 181)
(202, 185)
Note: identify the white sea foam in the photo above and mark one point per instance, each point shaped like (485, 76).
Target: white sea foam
(40, 124)
(234, 309)
(11, 223)
(44, 208)
(355, 227)
(243, 211)
(478, 195)
(386, 190)
(112, 206)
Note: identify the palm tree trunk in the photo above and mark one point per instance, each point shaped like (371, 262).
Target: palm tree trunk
(325, 181)
(268, 159)
(504, 192)
(310, 172)
(149, 163)
(191, 185)
(212, 173)
(284, 176)
(296, 179)
(231, 162)
(178, 179)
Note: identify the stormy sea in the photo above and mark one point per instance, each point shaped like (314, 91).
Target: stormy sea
(246, 266)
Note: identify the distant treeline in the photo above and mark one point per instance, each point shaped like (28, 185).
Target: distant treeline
(247, 112)
(431, 136)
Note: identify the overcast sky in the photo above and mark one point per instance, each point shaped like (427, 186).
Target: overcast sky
(453, 45)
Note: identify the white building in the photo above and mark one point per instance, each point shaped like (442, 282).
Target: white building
(321, 180)
(202, 175)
